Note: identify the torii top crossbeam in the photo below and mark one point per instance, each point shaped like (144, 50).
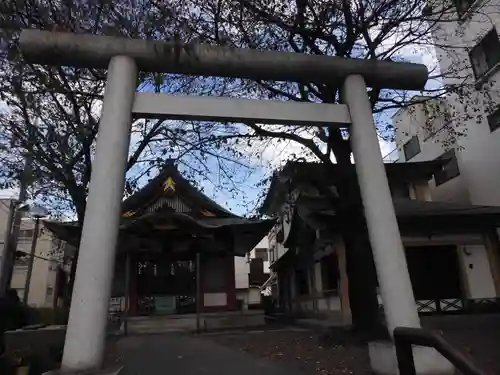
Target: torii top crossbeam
(91, 51)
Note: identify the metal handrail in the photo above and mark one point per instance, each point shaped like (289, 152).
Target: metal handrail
(405, 337)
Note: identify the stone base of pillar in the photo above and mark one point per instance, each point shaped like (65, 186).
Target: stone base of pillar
(428, 361)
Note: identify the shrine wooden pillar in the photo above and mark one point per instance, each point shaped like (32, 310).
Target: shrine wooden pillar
(230, 283)
(343, 281)
(132, 284)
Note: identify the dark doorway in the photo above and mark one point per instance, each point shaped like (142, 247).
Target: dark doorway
(434, 272)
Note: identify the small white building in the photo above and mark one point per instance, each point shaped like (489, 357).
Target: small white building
(462, 127)
(467, 178)
(44, 278)
(251, 272)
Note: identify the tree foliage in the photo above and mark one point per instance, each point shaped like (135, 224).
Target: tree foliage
(51, 114)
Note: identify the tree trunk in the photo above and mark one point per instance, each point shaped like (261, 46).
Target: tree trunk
(359, 257)
(80, 210)
(71, 280)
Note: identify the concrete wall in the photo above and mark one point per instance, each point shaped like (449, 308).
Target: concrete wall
(241, 271)
(254, 296)
(417, 120)
(477, 272)
(251, 296)
(214, 299)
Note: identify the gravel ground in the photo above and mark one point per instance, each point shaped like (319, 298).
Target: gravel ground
(478, 337)
(299, 348)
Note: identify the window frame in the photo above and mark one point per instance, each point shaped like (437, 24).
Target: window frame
(405, 150)
(483, 49)
(445, 173)
(495, 113)
(26, 234)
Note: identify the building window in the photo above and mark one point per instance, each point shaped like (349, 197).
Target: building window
(330, 273)
(463, 6)
(26, 234)
(494, 119)
(486, 54)
(449, 170)
(411, 148)
(262, 254)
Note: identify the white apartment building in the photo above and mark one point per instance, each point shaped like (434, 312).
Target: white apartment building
(462, 127)
(43, 286)
(248, 291)
(465, 129)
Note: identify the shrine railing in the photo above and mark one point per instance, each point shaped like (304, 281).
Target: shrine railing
(458, 305)
(405, 337)
(445, 306)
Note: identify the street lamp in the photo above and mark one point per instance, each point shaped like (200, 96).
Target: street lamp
(36, 212)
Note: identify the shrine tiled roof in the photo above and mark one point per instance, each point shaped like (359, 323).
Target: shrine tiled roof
(171, 190)
(170, 205)
(411, 212)
(305, 172)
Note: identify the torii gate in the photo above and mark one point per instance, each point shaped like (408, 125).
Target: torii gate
(85, 337)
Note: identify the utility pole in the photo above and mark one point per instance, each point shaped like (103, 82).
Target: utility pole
(31, 260)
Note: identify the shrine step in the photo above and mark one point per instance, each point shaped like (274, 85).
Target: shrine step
(187, 323)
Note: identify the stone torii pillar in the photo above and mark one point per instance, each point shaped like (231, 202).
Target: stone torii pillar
(85, 338)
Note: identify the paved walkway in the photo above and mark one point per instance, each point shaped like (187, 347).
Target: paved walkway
(187, 355)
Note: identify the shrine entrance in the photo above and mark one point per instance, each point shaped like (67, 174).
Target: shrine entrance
(165, 286)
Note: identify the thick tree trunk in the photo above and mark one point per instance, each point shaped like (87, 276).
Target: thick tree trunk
(74, 261)
(360, 265)
(71, 280)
